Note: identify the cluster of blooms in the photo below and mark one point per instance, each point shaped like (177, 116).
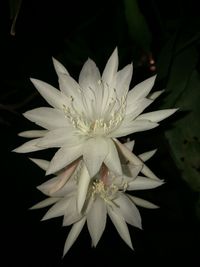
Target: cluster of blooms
(92, 168)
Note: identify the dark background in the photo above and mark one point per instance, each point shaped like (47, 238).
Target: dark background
(71, 31)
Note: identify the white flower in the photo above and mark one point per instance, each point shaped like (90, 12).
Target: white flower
(87, 117)
(105, 196)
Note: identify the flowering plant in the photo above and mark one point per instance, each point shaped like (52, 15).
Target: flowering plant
(93, 168)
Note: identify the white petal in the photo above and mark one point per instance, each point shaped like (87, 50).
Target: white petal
(43, 164)
(134, 170)
(29, 146)
(58, 209)
(142, 89)
(157, 116)
(128, 210)
(48, 118)
(143, 203)
(60, 137)
(94, 153)
(155, 94)
(130, 145)
(89, 75)
(147, 155)
(96, 220)
(59, 68)
(63, 157)
(83, 184)
(135, 160)
(47, 202)
(123, 79)
(73, 234)
(111, 68)
(127, 128)
(50, 94)
(136, 107)
(33, 134)
(112, 160)
(142, 183)
(120, 224)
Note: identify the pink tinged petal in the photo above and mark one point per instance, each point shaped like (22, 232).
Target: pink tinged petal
(94, 152)
(111, 68)
(120, 224)
(83, 183)
(59, 68)
(147, 155)
(43, 164)
(63, 157)
(157, 116)
(55, 184)
(127, 128)
(96, 220)
(128, 210)
(142, 89)
(89, 75)
(143, 203)
(48, 118)
(155, 94)
(73, 234)
(112, 160)
(58, 209)
(142, 183)
(130, 145)
(50, 94)
(45, 203)
(123, 79)
(33, 134)
(29, 146)
(60, 137)
(135, 160)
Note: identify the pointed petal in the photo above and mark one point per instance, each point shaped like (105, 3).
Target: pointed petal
(96, 220)
(147, 155)
(63, 157)
(73, 234)
(112, 160)
(142, 183)
(128, 210)
(111, 68)
(130, 145)
(43, 164)
(136, 107)
(158, 115)
(120, 224)
(135, 160)
(83, 184)
(50, 94)
(134, 170)
(60, 137)
(143, 203)
(123, 79)
(48, 118)
(155, 94)
(29, 146)
(94, 153)
(57, 210)
(142, 89)
(127, 128)
(59, 68)
(47, 202)
(33, 134)
(89, 75)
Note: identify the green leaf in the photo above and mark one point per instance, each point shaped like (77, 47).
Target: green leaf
(14, 12)
(138, 28)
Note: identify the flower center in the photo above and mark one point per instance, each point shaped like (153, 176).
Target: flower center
(100, 114)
